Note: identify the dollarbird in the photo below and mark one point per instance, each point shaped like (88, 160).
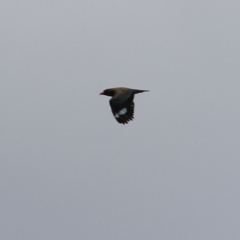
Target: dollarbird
(121, 102)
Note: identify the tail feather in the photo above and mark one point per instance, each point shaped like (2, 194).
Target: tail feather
(139, 91)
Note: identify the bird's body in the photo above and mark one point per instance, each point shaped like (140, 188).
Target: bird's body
(121, 103)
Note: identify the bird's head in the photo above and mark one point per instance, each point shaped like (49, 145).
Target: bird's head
(108, 92)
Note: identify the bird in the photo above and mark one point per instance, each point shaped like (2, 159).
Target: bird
(121, 102)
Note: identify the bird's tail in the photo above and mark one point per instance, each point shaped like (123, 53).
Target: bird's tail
(139, 91)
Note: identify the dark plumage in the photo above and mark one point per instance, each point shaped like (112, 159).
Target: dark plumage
(121, 102)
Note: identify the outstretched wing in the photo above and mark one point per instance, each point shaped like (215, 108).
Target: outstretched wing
(123, 112)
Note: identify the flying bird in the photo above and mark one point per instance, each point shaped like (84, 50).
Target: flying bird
(121, 102)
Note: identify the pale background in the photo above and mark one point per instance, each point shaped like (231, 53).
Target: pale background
(68, 170)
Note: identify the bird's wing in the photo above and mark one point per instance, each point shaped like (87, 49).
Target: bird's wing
(123, 112)
(122, 106)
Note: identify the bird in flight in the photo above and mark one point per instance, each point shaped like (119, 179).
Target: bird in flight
(121, 102)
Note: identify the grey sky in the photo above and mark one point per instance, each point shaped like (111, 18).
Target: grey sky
(69, 170)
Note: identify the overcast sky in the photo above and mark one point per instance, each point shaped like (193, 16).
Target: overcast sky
(68, 170)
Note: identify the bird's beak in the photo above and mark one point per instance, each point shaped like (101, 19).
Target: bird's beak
(101, 93)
